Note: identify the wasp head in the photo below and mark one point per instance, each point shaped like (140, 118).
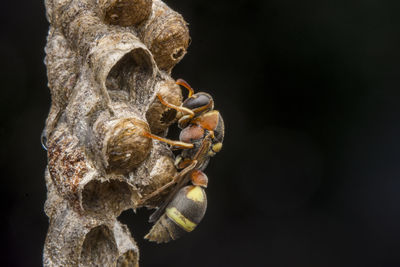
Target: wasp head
(199, 103)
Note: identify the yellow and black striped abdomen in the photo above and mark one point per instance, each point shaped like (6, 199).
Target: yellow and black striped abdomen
(182, 215)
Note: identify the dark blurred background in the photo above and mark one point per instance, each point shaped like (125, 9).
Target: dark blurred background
(309, 174)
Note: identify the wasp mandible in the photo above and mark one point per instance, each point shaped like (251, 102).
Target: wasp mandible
(201, 138)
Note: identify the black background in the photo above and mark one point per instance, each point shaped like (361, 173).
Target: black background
(309, 172)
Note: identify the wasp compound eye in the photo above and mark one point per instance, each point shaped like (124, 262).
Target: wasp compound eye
(197, 101)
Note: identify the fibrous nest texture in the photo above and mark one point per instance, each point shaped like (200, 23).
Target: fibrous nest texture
(106, 61)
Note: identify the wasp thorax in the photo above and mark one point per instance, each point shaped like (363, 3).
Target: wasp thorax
(125, 12)
(191, 133)
(159, 116)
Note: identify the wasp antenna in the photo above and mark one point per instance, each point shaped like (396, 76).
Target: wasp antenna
(186, 85)
(177, 108)
(179, 144)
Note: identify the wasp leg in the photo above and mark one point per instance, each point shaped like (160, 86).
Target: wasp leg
(180, 179)
(177, 178)
(185, 119)
(186, 85)
(184, 110)
(154, 193)
(179, 144)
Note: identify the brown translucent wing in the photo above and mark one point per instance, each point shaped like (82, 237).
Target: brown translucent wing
(183, 178)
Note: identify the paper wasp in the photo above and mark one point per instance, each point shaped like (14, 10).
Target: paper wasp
(201, 138)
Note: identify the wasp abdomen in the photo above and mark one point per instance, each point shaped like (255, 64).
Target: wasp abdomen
(182, 215)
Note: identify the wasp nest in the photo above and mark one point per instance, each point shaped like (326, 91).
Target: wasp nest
(106, 61)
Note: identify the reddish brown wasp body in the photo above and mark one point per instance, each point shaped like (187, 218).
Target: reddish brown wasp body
(201, 138)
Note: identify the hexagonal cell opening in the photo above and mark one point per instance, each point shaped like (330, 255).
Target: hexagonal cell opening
(127, 78)
(99, 248)
(106, 197)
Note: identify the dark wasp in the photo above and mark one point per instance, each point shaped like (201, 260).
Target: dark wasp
(201, 138)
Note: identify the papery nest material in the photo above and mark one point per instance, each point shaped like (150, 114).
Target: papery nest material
(106, 61)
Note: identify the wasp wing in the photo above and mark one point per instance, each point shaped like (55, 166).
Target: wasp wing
(184, 177)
